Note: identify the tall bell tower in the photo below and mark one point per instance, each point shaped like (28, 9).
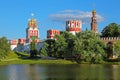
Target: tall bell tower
(32, 32)
(94, 22)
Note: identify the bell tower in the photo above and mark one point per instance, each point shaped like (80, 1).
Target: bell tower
(94, 22)
(32, 32)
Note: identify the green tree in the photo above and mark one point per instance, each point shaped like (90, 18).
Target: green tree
(117, 48)
(88, 46)
(5, 44)
(112, 30)
(60, 46)
(44, 51)
(33, 50)
(83, 46)
(51, 47)
(69, 39)
(110, 49)
(4, 47)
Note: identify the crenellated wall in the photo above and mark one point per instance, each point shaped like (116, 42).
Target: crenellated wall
(110, 39)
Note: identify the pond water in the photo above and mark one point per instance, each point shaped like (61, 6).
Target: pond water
(60, 72)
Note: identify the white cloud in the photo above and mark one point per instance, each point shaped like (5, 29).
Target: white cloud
(85, 17)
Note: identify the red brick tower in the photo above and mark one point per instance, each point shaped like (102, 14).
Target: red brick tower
(51, 33)
(94, 22)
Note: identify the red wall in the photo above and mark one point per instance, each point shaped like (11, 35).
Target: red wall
(52, 33)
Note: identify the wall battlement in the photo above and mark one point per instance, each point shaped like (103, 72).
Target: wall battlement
(110, 39)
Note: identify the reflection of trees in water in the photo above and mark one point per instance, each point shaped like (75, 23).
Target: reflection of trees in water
(112, 72)
(82, 71)
(61, 72)
(33, 72)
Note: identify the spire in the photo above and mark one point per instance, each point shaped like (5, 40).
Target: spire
(32, 14)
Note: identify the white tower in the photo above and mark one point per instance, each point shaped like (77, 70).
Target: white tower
(73, 26)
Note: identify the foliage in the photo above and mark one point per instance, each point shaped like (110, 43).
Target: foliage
(96, 59)
(11, 56)
(60, 46)
(64, 44)
(88, 45)
(110, 49)
(112, 30)
(33, 50)
(43, 50)
(50, 47)
(4, 47)
(69, 38)
(22, 54)
(117, 48)
(84, 46)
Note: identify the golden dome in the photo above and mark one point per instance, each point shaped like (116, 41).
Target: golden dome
(32, 23)
(94, 11)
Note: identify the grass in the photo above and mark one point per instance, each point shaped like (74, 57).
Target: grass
(11, 55)
(39, 61)
(15, 58)
(28, 61)
(111, 63)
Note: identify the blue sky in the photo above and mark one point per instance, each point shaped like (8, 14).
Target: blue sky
(51, 14)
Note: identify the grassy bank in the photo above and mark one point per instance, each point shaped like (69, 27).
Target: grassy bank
(20, 61)
(29, 61)
(15, 58)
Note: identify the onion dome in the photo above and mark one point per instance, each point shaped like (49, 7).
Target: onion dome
(94, 11)
(32, 23)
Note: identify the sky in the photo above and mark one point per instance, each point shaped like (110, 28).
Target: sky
(52, 14)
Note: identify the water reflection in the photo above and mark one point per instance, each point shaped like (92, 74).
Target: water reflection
(112, 72)
(60, 72)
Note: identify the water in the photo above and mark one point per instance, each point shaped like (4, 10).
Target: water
(60, 72)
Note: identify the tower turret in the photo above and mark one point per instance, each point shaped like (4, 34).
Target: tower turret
(73, 26)
(94, 22)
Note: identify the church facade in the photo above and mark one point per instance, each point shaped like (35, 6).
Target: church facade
(32, 33)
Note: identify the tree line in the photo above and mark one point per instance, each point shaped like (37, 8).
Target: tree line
(4, 47)
(84, 46)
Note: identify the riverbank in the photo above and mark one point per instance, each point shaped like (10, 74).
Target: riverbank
(22, 58)
(13, 58)
(31, 61)
(28, 61)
